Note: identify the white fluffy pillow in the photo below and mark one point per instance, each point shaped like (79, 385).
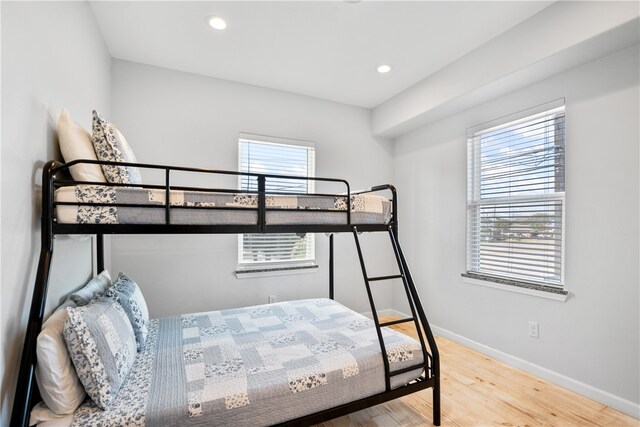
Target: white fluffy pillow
(57, 380)
(45, 417)
(75, 143)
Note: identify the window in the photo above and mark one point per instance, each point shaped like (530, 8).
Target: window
(515, 204)
(261, 154)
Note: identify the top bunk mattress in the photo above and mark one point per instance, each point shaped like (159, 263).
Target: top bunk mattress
(298, 209)
(255, 366)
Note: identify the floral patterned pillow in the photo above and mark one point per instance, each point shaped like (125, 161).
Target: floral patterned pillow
(127, 293)
(110, 145)
(102, 346)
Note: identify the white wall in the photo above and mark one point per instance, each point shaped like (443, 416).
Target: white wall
(53, 56)
(592, 338)
(562, 36)
(171, 117)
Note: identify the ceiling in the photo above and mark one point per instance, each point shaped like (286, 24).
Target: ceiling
(325, 49)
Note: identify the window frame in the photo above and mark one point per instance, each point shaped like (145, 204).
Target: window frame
(270, 268)
(474, 203)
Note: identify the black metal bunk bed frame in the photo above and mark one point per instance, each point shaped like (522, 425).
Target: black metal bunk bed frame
(27, 395)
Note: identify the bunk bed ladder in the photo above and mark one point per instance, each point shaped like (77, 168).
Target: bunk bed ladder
(430, 361)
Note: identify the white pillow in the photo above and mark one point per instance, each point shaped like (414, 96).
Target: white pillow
(96, 286)
(75, 143)
(43, 416)
(57, 380)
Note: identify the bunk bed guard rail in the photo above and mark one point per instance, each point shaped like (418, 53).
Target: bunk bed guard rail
(259, 189)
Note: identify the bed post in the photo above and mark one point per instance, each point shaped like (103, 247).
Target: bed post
(394, 210)
(26, 375)
(331, 266)
(435, 354)
(413, 296)
(99, 253)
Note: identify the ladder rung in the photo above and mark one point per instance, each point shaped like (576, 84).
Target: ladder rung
(395, 322)
(407, 369)
(374, 279)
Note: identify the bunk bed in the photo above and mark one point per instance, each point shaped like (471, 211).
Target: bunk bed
(99, 208)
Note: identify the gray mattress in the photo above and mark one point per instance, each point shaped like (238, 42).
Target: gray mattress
(365, 209)
(254, 366)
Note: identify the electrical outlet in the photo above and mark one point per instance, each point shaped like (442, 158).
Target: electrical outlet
(533, 330)
(272, 299)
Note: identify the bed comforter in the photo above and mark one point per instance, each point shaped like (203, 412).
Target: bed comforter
(254, 366)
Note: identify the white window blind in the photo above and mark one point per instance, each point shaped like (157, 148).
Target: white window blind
(516, 191)
(279, 156)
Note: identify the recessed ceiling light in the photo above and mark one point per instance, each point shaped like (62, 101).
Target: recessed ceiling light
(217, 22)
(384, 69)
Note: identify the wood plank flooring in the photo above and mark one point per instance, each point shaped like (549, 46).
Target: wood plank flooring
(480, 391)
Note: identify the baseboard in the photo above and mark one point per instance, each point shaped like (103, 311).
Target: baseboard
(385, 312)
(604, 397)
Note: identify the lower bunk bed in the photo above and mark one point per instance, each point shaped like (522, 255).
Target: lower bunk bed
(252, 366)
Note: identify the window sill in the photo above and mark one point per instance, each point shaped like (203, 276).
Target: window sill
(516, 286)
(247, 273)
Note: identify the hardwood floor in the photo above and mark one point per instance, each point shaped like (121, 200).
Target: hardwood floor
(480, 391)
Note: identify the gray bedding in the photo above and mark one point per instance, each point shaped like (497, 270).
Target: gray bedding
(365, 209)
(254, 366)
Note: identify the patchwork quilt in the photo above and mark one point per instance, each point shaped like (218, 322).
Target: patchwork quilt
(254, 366)
(365, 208)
